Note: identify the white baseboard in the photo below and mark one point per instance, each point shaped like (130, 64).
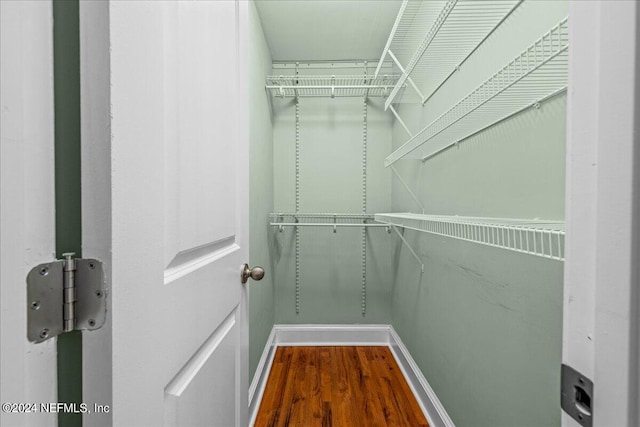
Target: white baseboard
(297, 335)
(308, 335)
(426, 397)
(259, 382)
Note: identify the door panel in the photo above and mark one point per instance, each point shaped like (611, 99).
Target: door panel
(206, 378)
(198, 147)
(178, 212)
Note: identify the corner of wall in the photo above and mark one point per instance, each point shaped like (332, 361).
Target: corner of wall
(261, 295)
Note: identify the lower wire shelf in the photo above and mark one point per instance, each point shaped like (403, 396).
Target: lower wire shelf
(533, 237)
(333, 220)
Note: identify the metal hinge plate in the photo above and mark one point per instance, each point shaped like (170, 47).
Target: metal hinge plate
(577, 395)
(46, 300)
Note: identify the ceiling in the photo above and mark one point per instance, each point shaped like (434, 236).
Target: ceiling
(324, 30)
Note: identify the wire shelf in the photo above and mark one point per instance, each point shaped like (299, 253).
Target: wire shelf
(538, 73)
(282, 216)
(333, 220)
(459, 28)
(330, 86)
(533, 237)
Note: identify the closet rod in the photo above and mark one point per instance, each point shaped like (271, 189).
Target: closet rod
(338, 86)
(322, 215)
(328, 224)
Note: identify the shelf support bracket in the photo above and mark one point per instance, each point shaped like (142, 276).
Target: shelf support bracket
(391, 35)
(406, 186)
(409, 79)
(395, 113)
(409, 247)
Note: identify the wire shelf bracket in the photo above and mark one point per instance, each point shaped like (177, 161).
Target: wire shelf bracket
(532, 237)
(537, 74)
(406, 186)
(415, 255)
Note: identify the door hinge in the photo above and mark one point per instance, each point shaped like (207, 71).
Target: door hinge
(65, 295)
(577, 395)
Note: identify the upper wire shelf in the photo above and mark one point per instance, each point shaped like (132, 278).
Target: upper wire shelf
(427, 59)
(331, 86)
(536, 74)
(533, 237)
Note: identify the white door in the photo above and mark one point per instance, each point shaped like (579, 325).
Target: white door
(28, 371)
(165, 206)
(601, 292)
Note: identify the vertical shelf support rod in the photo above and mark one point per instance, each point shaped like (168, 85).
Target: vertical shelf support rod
(295, 91)
(297, 205)
(364, 208)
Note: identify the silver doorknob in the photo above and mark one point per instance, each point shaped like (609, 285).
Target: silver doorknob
(256, 273)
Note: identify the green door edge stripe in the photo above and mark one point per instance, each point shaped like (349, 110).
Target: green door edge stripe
(66, 86)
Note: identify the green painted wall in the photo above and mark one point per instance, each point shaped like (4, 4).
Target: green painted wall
(66, 63)
(261, 294)
(485, 324)
(331, 136)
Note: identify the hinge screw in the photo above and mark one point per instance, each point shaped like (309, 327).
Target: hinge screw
(92, 322)
(44, 333)
(35, 305)
(99, 294)
(92, 266)
(44, 271)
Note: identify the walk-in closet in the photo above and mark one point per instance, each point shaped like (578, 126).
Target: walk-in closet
(407, 170)
(331, 213)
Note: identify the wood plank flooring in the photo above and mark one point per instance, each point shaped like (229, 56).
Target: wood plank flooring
(339, 387)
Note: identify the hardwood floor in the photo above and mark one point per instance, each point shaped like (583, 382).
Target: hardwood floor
(339, 387)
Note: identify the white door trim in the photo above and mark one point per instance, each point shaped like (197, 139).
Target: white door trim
(601, 307)
(259, 382)
(95, 128)
(348, 335)
(28, 372)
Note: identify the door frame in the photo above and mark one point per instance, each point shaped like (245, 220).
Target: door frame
(601, 296)
(28, 370)
(95, 128)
